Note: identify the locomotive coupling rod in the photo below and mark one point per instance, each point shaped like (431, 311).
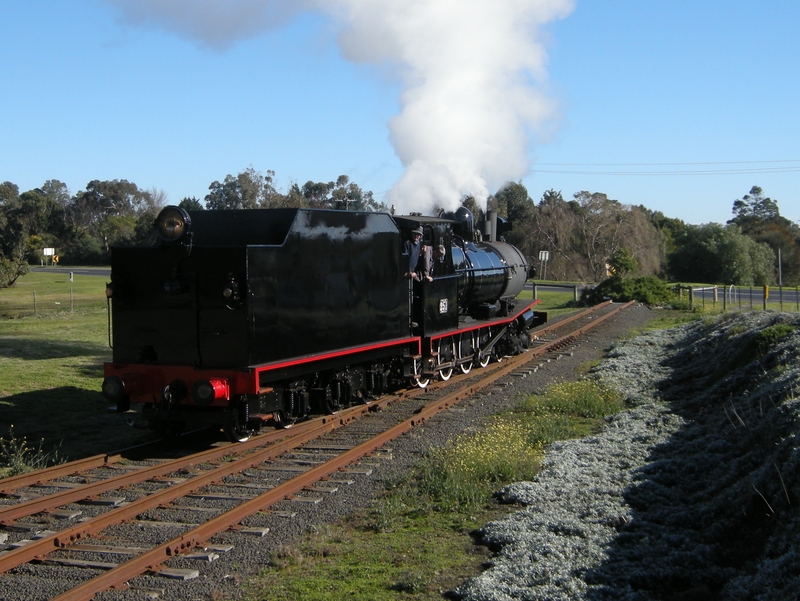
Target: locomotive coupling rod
(481, 353)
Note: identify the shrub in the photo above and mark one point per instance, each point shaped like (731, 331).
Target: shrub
(17, 457)
(647, 289)
(584, 398)
(10, 271)
(769, 336)
(87, 250)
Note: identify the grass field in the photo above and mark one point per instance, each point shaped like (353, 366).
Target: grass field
(43, 292)
(51, 369)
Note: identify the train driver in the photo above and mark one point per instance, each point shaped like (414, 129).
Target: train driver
(411, 249)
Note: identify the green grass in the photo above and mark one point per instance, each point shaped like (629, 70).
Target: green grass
(555, 303)
(44, 292)
(51, 370)
(423, 554)
(414, 542)
(463, 473)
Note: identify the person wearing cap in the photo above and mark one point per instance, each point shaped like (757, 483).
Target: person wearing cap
(411, 249)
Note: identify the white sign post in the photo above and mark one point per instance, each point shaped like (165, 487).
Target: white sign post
(544, 255)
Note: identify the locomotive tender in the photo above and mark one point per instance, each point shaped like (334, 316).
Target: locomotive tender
(236, 318)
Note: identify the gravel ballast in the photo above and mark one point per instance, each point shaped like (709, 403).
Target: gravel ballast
(693, 493)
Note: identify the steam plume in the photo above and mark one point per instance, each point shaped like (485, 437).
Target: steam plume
(215, 23)
(473, 73)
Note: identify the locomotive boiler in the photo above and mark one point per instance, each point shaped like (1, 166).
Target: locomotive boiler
(241, 317)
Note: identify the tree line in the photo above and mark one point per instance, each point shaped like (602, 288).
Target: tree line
(583, 235)
(82, 227)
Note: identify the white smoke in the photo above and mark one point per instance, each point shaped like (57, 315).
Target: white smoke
(473, 73)
(216, 23)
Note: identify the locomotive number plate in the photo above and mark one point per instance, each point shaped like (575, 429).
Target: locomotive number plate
(442, 305)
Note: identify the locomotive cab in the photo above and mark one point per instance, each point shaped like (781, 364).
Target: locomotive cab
(434, 301)
(475, 283)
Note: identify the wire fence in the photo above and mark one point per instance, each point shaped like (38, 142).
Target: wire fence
(713, 298)
(716, 298)
(730, 298)
(39, 303)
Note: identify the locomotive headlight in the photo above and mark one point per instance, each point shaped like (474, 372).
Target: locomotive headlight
(109, 290)
(177, 390)
(231, 289)
(113, 388)
(172, 224)
(205, 392)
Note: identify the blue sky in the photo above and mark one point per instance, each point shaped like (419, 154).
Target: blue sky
(90, 92)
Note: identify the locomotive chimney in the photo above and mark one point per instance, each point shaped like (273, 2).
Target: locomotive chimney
(489, 227)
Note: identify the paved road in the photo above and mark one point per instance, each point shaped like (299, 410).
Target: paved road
(743, 296)
(96, 271)
(746, 296)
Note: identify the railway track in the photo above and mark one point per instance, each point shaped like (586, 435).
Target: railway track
(102, 521)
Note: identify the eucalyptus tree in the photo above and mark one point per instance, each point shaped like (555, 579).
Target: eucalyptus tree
(718, 254)
(759, 217)
(191, 203)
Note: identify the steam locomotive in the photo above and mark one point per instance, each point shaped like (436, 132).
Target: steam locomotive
(240, 318)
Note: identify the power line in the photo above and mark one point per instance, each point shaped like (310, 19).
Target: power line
(780, 166)
(785, 166)
(666, 164)
(657, 173)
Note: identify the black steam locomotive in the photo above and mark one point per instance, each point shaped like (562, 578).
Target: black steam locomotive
(237, 318)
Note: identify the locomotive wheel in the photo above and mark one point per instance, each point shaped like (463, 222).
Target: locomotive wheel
(466, 367)
(283, 419)
(237, 433)
(446, 373)
(238, 430)
(483, 361)
(331, 406)
(418, 380)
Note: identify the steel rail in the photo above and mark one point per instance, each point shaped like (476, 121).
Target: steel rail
(562, 322)
(12, 483)
(301, 434)
(603, 318)
(49, 502)
(151, 560)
